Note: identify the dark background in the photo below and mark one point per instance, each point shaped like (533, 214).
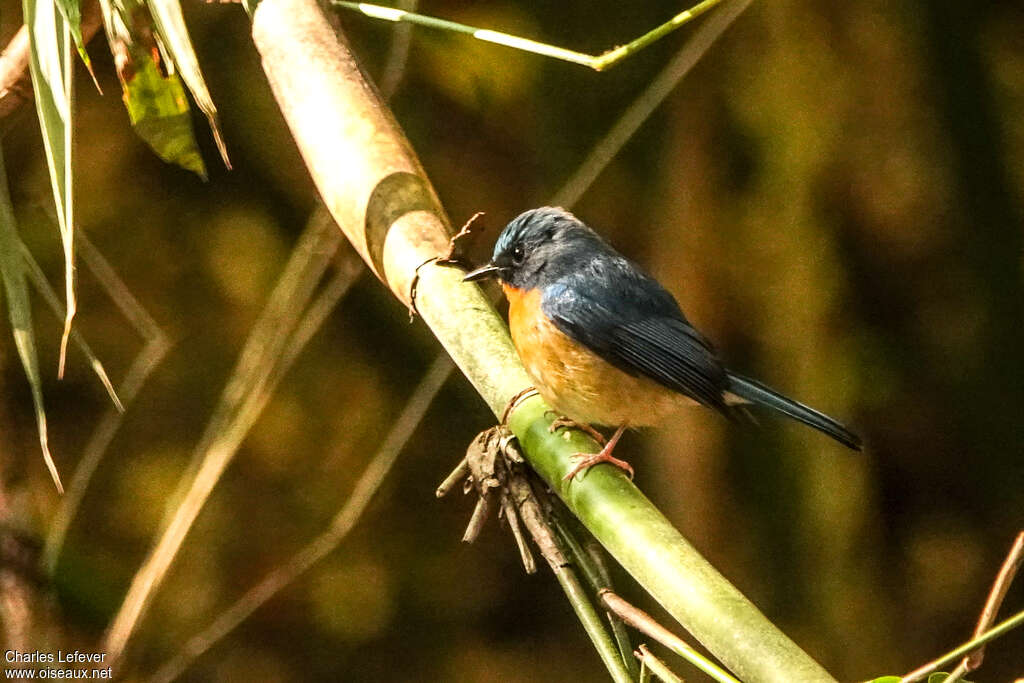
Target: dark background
(834, 194)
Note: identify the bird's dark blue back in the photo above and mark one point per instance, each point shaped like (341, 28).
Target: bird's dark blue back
(605, 302)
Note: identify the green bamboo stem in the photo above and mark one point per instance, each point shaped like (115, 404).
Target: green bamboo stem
(592, 624)
(374, 186)
(595, 62)
(612, 57)
(598, 581)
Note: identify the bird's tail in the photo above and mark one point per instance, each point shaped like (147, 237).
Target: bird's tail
(755, 392)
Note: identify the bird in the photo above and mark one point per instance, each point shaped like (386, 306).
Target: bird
(606, 344)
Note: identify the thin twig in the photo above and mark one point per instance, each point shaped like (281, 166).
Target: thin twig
(644, 105)
(656, 666)
(645, 672)
(398, 53)
(995, 600)
(996, 595)
(362, 493)
(261, 364)
(646, 624)
(596, 62)
(931, 667)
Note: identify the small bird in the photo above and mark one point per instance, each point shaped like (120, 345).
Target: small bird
(606, 344)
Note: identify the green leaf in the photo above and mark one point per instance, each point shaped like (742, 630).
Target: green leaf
(173, 33)
(52, 77)
(159, 112)
(12, 270)
(72, 13)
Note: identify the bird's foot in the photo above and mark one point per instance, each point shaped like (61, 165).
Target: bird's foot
(584, 461)
(566, 423)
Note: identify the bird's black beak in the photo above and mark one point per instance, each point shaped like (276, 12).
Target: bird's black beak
(482, 273)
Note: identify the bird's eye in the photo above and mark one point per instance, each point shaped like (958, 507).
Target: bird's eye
(517, 253)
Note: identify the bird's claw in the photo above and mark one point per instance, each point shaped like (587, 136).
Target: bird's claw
(584, 461)
(564, 422)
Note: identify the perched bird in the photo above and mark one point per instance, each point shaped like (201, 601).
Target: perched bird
(605, 344)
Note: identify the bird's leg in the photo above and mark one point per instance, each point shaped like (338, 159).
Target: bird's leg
(565, 422)
(584, 461)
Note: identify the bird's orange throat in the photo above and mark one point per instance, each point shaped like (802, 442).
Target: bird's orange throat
(522, 304)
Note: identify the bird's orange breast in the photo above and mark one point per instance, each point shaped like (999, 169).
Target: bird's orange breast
(574, 380)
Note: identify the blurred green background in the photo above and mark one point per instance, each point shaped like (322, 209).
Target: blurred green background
(834, 194)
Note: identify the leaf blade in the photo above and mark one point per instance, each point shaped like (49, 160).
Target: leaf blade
(51, 67)
(19, 310)
(173, 33)
(160, 114)
(71, 10)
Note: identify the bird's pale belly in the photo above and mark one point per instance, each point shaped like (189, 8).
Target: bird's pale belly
(575, 381)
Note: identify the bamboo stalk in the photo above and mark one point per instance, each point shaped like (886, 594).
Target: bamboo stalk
(374, 186)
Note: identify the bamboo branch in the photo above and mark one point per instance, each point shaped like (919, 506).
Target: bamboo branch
(1003, 627)
(1004, 578)
(595, 573)
(596, 62)
(972, 660)
(646, 624)
(591, 620)
(656, 666)
(374, 186)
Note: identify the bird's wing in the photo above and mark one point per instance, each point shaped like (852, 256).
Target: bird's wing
(630, 321)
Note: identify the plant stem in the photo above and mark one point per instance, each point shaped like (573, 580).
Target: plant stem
(592, 623)
(595, 62)
(656, 666)
(598, 580)
(646, 624)
(611, 57)
(965, 649)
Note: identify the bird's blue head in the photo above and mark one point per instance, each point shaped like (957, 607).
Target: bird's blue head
(537, 247)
